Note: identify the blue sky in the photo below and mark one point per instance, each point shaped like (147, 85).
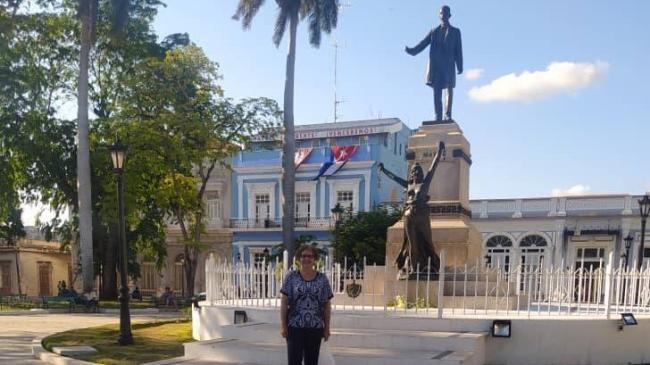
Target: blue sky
(584, 126)
(595, 137)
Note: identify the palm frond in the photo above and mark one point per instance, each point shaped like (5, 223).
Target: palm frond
(246, 11)
(314, 25)
(322, 15)
(280, 26)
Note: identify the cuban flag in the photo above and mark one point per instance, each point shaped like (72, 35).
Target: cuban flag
(301, 156)
(338, 156)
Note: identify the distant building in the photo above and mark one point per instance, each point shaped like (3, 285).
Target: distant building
(575, 231)
(41, 265)
(217, 240)
(358, 186)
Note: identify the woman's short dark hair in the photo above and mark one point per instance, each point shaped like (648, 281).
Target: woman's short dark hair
(304, 248)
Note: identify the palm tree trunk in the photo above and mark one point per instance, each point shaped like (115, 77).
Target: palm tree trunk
(83, 152)
(289, 146)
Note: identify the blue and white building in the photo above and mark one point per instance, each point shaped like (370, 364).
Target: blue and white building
(256, 181)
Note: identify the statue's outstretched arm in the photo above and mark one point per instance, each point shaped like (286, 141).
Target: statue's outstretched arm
(434, 164)
(393, 177)
(421, 46)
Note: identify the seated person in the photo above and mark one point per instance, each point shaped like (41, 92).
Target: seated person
(167, 298)
(136, 294)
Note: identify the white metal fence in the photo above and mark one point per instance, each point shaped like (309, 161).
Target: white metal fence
(476, 290)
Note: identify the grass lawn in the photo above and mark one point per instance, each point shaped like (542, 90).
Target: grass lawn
(153, 342)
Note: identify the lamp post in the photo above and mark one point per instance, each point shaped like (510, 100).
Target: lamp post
(118, 156)
(628, 244)
(644, 211)
(337, 213)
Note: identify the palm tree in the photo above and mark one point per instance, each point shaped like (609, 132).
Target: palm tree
(322, 16)
(88, 16)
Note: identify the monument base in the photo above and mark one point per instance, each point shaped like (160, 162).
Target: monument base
(381, 286)
(456, 236)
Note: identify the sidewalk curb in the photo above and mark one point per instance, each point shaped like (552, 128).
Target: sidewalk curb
(174, 360)
(42, 354)
(25, 312)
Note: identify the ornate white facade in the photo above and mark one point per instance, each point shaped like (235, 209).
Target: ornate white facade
(574, 231)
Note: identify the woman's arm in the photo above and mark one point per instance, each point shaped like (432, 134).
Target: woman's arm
(327, 315)
(434, 164)
(284, 309)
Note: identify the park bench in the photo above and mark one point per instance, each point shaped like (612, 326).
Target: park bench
(47, 300)
(12, 299)
(73, 300)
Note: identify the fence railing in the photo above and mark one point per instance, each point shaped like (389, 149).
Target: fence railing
(593, 289)
(268, 223)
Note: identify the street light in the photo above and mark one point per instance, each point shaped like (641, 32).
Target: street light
(118, 156)
(337, 213)
(628, 244)
(644, 211)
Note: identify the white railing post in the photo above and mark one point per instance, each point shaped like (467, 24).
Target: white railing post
(608, 284)
(441, 284)
(285, 260)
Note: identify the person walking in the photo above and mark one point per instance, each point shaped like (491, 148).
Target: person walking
(305, 309)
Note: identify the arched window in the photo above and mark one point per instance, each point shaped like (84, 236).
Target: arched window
(533, 240)
(498, 252)
(532, 249)
(499, 240)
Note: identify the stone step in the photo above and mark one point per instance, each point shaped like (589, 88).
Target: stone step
(347, 337)
(405, 322)
(246, 352)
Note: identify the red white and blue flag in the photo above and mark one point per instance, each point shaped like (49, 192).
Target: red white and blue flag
(301, 156)
(339, 155)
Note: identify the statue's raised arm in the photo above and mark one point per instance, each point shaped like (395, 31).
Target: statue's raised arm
(434, 164)
(392, 176)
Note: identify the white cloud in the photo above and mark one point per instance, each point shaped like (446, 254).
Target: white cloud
(572, 191)
(559, 77)
(473, 74)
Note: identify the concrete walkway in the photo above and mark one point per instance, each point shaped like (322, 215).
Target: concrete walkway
(18, 331)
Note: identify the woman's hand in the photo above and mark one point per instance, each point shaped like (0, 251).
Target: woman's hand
(283, 332)
(326, 333)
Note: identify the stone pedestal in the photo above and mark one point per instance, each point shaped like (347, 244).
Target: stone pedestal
(450, 217)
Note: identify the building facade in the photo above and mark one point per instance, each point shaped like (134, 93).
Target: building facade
(560, 232)
(216, 239)
(34, 266)
(357, 186)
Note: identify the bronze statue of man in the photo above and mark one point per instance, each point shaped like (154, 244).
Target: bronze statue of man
(417, 248)
(445, 55)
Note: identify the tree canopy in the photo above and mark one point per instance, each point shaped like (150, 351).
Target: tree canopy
(363, 235)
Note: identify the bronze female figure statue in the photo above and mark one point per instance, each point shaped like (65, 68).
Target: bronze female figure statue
(418, 246)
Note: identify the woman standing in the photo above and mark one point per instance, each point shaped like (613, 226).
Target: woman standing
(305, 309)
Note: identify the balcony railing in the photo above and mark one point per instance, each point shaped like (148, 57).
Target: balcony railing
(271, 223)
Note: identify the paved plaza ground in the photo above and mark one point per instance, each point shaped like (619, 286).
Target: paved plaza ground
(18, 331)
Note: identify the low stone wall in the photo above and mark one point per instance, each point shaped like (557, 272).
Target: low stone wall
(569, 340)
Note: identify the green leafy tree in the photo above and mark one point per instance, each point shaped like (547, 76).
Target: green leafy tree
(178, 124)
(87, 12)
(40, 73)
(322, 16)
(363, 235)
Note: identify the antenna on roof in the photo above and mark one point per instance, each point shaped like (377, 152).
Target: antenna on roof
(336, 46)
